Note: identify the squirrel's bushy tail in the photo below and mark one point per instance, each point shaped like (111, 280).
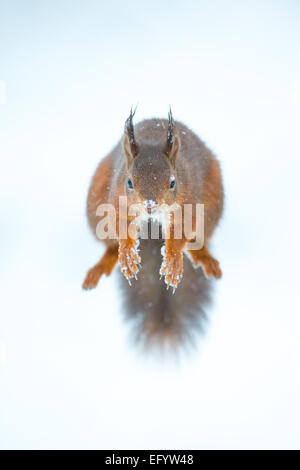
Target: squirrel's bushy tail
(159, 316)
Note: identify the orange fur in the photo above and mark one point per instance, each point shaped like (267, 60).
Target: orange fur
(150, 162)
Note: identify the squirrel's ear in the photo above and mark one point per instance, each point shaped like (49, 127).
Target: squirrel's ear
(173, 141)
(129, 144)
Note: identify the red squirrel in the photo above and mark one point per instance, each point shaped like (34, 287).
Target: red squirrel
(158, 162)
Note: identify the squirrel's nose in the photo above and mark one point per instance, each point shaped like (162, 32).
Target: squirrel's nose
(150, 206)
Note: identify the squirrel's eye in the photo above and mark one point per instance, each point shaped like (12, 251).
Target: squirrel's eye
(130, 185)
(172, 184)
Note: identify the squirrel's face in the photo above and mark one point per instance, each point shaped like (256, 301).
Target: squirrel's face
(151, 179)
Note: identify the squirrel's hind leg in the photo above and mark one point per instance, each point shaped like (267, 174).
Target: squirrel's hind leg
(208, 263)
(104, 266)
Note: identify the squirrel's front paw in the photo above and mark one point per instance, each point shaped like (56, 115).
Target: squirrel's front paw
(129, 260)
(172, 268)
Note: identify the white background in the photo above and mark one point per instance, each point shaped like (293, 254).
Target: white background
(70, 377)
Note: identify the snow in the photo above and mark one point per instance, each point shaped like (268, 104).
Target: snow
(70, 376)
(149, 203)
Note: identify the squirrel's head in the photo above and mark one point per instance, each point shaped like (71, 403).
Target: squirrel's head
(151, 178)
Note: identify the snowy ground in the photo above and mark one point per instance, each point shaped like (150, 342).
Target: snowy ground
(69, 376)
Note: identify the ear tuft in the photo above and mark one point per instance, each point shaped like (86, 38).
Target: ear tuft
(173, 140)
(129, 144)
